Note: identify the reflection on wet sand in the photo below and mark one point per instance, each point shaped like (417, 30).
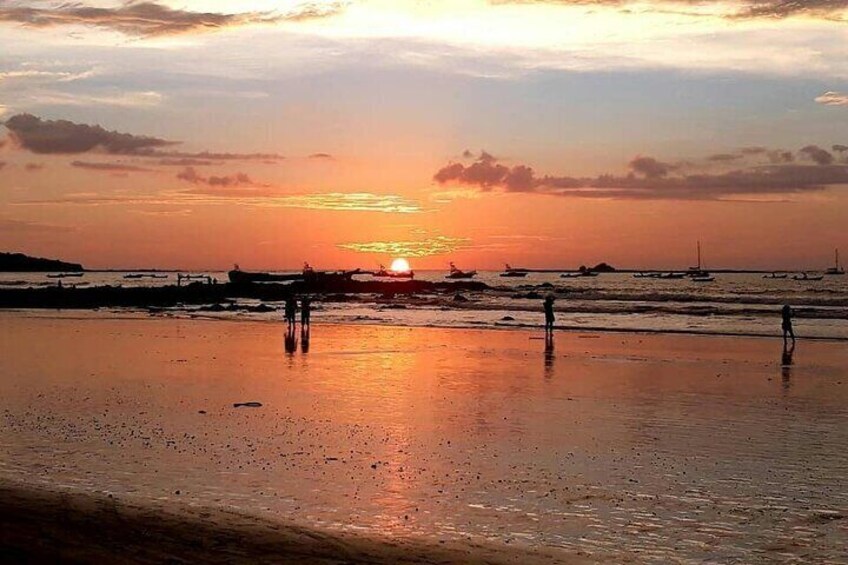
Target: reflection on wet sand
(674, 453)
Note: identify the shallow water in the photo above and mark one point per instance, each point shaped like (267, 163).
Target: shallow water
(733, 304)
(657, 448)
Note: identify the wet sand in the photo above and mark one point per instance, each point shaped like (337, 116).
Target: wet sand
(648, 448)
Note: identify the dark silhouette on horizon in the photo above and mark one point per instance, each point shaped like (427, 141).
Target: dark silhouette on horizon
(549, 315)
(788, 332)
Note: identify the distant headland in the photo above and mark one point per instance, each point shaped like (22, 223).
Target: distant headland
(18, 262)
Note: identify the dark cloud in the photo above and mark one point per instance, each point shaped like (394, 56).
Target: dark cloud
(109, 167)
(36, 135)
(189, 174)
(737, 9)
(724, 157)
(149, 19)
(650, 178)
(321, 156)
(184, 162)
(839, 148)
(817, 154)
(62, 136)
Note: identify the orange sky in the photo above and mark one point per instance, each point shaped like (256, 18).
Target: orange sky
(538, 134)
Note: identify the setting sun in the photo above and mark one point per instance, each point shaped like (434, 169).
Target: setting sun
(400, 266)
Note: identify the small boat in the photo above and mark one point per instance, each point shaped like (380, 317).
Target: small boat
(578, 275)
(513, 273)
(708, 278)
(775, 276)
(807, 277)
(312, 276)
(457, 274)
(383, 273)
(672, 275)
(698, 272)
(836, 270)
(64, 275)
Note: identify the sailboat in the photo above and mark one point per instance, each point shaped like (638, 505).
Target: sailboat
(836, 269)
(698, 274)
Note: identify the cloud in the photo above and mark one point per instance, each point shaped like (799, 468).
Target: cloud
(184, 162)
(110, 167)
(62, 136)
(730, 9)
(817, 154)
(832, 98)
(129, 99)
(8, 225)
(321, 156)
(650, 178)
(189, 174)
(421, 248)
(149, 19)
(35, 75)
(37, 135)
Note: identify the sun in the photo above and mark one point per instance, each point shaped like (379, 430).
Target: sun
(400, 266)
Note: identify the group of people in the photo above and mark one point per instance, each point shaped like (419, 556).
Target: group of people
(291, 323)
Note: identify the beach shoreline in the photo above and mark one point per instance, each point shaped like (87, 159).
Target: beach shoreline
(379, 438)
(40, 525)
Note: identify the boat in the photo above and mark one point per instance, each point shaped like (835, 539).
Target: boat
(64, 275)
(237, 276)
(775, 276)
(312, 276)
(698, 272)
(383, 273)
(708, 278)
(513, 273)
(836, 270)
(672, 275)
(458, 274)
(144, 276)
(578, 275)
(807, 277)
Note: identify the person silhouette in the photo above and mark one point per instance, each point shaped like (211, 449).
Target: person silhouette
(305, 311)
(549, 314)
(787, 324)
(291, 311)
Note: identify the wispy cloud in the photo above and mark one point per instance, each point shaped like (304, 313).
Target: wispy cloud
(109, 167)
(150, 19)
(440, 245)
(833, 98)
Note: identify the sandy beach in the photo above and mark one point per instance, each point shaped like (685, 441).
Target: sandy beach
(379, 444)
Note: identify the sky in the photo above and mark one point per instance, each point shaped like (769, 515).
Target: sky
(197, 134)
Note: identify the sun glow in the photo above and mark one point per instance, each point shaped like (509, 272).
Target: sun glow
(400, 266)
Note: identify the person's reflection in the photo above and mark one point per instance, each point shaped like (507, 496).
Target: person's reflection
(786, 361)
(549, 355)
(290, 340)
(304, 338)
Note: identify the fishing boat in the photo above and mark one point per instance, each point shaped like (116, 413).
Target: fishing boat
(312, 276)
(64, 275)
(836, 269)
(513, 273)
(775, 276)
(237, 276)
(458, 274)
(807, 277)
(383, 273)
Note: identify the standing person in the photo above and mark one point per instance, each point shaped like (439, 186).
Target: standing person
(549, 314)
(305, 312)
(291, 310)
(787, 324)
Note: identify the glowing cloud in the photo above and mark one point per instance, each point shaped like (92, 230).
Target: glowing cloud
(422, 248)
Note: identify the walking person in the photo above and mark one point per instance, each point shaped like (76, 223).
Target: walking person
(549, 315)
(787, 324)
